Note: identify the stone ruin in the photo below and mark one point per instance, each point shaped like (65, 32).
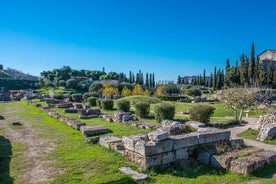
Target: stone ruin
(162, 147)
(266, 125)
(5, 95)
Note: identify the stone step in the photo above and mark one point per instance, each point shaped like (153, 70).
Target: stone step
(134, 174)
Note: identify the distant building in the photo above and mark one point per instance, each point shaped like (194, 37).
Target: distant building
(266, 57)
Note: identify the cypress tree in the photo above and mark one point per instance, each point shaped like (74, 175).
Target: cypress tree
(130, 77)
(153, 81)
(244, 69)
(204, 77)
(262, 74)
(256, 72)
(269, 75)
(274, 78)
(147, 79)
(227, 68)
(251, 68)
(215, 78)
(150, 81)
(211, 80)
(178, 79)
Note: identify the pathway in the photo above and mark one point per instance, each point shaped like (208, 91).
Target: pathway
(251, 123)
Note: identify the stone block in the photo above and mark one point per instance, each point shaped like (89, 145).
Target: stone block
(204, 157)
(77, 124)
(247, 165)
(269, 156)
(216, 136)
(93, 130)
(221, 161)
(126, 118)
(169, 123)
(135, 175)
(168, 157)
(195, 124)
(70, 110)
(158, 136)
(130, 141)
(184, 140)
(153, 161)
(237, 143)
(153, 148)
(181, 154)
(108, 141)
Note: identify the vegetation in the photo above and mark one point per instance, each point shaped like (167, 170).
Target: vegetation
(92, 101)
(123, 105)
(253, 134)
(201, 113)
(142, 109)
(77, 97)
(164, 111)
(107, 104)
(238, 99)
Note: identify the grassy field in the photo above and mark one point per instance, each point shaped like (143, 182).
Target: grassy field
(253, 134)
(80, 162)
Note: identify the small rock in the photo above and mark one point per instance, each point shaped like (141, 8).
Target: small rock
(16, 123)
(134, 174)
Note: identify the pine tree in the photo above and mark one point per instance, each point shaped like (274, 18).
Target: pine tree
(204, 77)
(227, 68)
(274, 78)
(215, 78)
(244, 70)
(262, 74)
(178, 79)
(147, 79)
(251, 68)
(269, 75)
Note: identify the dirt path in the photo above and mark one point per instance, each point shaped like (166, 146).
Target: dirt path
(251, 123)
(37, 168)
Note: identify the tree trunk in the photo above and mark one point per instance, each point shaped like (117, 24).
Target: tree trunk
(235, 115)
(240, 118)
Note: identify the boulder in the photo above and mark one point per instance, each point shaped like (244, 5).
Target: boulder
(158, 136)
(247, 165)
(108, 141)
(89, 130)
(204, 157)
(118, 115)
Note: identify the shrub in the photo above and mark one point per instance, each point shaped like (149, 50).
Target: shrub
(99, 103)
(77, 97)
(194, 92)
(142, 109)
(201, 113)
(71, 83)
(92, 101)
(171, 98)
(123, 105)
(91, 94)
(164, 111)
(96, 87)
(58, 96)
(107, 104)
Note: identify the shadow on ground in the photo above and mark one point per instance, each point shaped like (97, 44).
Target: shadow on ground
(5, 158)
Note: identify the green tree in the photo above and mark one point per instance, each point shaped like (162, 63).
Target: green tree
(171, 89)
(238, 99)
(96, 87)
(262, 74)
(215, 78)
(269, 75)
(244, 69)
(251, 69)
(227, 70)
(274, 78)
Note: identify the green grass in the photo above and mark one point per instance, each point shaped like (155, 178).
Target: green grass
(253, 134)
(83, 163)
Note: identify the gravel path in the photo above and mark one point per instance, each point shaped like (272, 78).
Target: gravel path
(251, 123)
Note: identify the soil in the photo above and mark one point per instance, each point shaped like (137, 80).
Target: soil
(37, 168)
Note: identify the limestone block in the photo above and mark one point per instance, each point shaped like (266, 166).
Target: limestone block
(204, 157)
(70, 110)
(153, 161)
(93, 130)
(168, 157)
(216, 136)
(135, 175)
(221, 161)
(195, 124)
(181, 154)
(77, 105)
(158, 136)
(184, 140)
(108, 141)
(153, 148)
(126, 118)
(130, 141)
(247, 165)
(237, 143)
(77, 125)
(269, 156)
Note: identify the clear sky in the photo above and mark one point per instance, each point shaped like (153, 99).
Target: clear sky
(167, 37)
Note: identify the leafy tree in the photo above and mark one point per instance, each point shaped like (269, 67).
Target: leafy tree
(194, 92)
(138, 90)
(92, 101)
(107, 104)
(159, 90)
(170, 89)
(71, 83)
(238, 99)
(126, 91)
(146, 93)
(110, 91)
(77, 97)
(96, 87)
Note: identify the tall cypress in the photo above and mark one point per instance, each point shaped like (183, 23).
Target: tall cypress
(204, 77)
(227, 68)
(251, 69)
(262, 74)
(269, 76)
(215, 78)
(147, 79)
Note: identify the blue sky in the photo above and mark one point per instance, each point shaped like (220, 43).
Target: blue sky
(167, 37)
